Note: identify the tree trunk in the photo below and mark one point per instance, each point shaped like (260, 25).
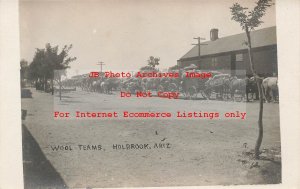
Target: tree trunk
(59, 87)
(261, 103)
(260, 121)
(44, 83)
(36, 84)
(52, 88)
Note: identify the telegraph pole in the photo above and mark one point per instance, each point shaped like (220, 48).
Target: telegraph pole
(199, 48)
(101, 64)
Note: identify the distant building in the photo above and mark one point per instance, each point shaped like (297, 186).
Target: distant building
(230, 53)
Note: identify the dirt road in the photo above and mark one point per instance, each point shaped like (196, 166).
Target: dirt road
(156, 152)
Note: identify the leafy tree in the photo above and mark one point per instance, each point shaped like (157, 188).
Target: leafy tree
(176, 67)
(48, 60)
(248, 21)
(148, 68)
(57, 62)
(24, 68)
(36, 70)
(153, 61)
(23, 71)
(23, 63)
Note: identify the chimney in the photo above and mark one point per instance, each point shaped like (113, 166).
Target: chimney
(214, 34)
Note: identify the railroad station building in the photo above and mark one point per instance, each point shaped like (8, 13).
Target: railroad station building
(230, 53)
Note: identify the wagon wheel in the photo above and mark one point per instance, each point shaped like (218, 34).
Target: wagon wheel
(144, 88)
(192, 91)
(172, 87)
(132, 89)
(203, 94)
(207, 93)
(160, 88)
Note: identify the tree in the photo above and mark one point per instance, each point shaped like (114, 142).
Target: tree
(23, 72)
(23, 63)
(148, 68)
(48, 60)
(153, 61)
(176, 67)
(249, 20)
(57, 62)
(36, 69)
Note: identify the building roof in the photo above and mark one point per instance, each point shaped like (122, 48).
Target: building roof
(259, 38)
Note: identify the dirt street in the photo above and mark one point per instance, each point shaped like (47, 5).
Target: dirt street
(153, 152)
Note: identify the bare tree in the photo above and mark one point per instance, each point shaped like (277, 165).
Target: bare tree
(249, 20)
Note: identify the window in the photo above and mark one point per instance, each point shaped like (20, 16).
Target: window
(239, 57)
(214, 61)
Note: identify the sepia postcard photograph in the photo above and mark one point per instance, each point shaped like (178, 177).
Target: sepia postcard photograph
(149, 93)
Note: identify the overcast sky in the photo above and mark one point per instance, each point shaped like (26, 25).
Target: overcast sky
(124, 33)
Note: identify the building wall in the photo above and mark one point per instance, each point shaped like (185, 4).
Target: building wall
(222, 62)
(216, 63)
(265, 62)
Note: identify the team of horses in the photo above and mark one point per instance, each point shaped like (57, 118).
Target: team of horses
(218, 86)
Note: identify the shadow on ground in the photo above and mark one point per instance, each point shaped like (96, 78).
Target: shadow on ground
(267, 169)
(38, 171)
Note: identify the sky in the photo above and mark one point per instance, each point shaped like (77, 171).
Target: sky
(124, 33)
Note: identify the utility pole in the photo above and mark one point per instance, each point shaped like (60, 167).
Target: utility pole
(101, 64)
(199, 48)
